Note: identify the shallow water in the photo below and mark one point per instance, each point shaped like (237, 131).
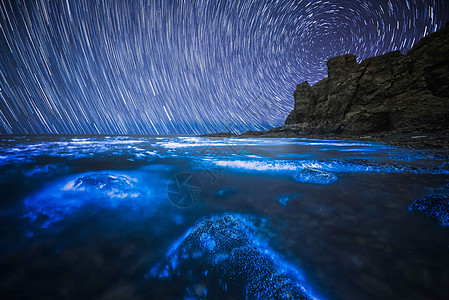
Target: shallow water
(92, 216)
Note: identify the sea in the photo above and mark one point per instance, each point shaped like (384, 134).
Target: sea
(101, 217)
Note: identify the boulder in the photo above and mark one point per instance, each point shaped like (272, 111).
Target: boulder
(435, 206)
(220, 257)
(104, 182)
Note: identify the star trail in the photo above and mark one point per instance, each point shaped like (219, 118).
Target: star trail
(183, 67)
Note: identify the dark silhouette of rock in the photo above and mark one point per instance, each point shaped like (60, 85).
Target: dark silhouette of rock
(251, 133)
(219, 134)
(388, 93)
(434, 206)
(394, 98)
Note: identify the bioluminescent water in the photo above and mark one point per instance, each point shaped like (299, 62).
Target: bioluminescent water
(184, 217)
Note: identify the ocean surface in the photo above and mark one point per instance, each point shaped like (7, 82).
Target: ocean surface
(104, 216)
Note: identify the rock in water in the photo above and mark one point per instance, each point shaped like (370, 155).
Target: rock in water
(285, 199)
(387, 93)
(309, 175)
(221, 257)
(435, 206)
(108, 183)
(226, 193)
(101, 180)
(61, 199)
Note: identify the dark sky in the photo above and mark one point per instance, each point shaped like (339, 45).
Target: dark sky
(175, 67)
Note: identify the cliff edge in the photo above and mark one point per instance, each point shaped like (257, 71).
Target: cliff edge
(387, 93)
(396, 98)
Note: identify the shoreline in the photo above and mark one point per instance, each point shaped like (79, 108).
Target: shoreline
(416, 140)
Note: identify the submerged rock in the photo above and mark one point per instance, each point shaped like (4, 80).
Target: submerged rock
(309, 175)
(221, 257)
(112, 185)
(72, 195)
(226, 193)
(285, 199)
(435, 206)
(103, 181)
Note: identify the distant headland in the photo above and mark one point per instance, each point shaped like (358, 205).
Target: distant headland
(394, 98)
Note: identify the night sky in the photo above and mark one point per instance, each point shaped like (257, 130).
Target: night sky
(177, 67)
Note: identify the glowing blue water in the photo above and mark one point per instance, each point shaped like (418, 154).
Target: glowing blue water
(107, 189)
(335, 212)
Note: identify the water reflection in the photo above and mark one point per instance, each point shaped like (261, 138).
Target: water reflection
(337, 212)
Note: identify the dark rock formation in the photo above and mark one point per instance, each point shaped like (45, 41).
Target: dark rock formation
(387, 93)
(435, 206)
(251, 133)
(394, 98)
(220, 257)
(219, 134)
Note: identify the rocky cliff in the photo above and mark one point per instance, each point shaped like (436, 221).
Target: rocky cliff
(387, 93)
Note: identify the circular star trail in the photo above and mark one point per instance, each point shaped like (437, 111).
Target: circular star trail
(183, 67)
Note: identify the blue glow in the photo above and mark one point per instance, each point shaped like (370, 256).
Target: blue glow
(205, 151)
(315, 176)
(285, 199)
(178, 219)
(410, 155)
(192, 142)
(163, 271)
(226, 193)
(208, 242)
(77, 148)
(119, 200)
(232, 249)
(343, 166)
(105, 189)
(434, 206)
(350, 149)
